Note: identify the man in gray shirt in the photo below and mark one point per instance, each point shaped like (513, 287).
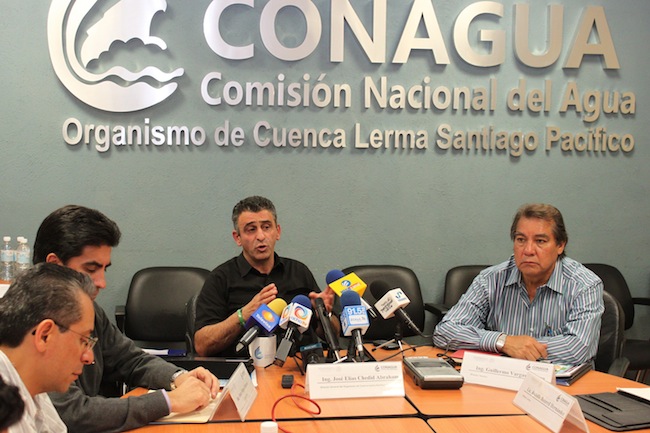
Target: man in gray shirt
(82, 239)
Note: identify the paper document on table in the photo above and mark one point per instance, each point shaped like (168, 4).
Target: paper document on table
(638, 393)
(197, 417)
(165, 352)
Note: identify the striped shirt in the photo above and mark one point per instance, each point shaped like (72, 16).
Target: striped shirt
(39, 415)
(565, 312)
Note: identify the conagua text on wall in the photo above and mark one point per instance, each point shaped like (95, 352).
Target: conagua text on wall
(423, 95)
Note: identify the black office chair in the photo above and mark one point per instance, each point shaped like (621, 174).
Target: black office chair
(636, 351)
(395, 276)
(154, 314)
(457, 281)
(609, 357)
(190, 324)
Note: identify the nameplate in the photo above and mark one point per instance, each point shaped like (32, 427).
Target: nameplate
(548, 405)
(355, 379)
(241, 389)
(502, 372)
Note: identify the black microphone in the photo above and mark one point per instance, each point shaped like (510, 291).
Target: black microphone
(391, 303)
(312, 354)
(328, 330)
(295, 319)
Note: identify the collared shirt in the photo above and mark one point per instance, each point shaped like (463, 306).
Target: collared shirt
(234, 283)
(40, 415)
(565, 312)
(83, 408)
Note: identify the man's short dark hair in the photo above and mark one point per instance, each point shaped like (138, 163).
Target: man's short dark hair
(45, 291)
(253, 204)
(68, 230)
(544, 212)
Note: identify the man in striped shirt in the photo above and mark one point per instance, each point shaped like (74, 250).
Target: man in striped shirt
(539, 304)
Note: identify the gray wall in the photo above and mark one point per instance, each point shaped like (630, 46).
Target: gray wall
(429, 210)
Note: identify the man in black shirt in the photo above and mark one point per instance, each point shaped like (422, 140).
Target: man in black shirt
(237, 288)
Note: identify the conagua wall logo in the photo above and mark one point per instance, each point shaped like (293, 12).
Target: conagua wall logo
(116, 89)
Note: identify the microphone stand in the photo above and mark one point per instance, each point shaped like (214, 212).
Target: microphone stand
(397, 338)
(353, 354)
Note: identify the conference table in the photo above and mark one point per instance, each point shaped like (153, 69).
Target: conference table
(269, 390)
(472, 408)
(478, 400)
(375, 425)
(510, 423)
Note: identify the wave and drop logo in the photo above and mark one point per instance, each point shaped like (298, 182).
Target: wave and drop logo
(117, 89)
(258, 353)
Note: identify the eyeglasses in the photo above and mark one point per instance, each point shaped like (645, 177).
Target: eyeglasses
(87, 342)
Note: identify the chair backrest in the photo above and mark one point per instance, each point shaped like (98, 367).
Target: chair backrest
(610, 343)
(190, 324)
(458, 280)
(394, 276)
(614, 283)
(155, 307)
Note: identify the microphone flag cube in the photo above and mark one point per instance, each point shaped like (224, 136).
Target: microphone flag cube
(354, 317)
(391, 302)
(265, 318)
(349, 282)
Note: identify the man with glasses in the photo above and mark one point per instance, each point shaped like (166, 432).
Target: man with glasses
(46, 322)
(82, 239)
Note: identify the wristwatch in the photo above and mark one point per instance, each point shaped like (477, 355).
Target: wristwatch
(172, 384)
(501, 341)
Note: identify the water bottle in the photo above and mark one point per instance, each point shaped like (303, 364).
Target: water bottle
(23, 253)
(7, 260)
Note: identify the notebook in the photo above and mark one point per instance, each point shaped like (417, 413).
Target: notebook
(197, 417)
(565, 375)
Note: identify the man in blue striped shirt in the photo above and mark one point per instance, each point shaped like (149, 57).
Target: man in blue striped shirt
(539, 304)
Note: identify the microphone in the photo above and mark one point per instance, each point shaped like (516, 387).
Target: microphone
(330, 335)
(345, 282)
(264, 320)
(295, 318)
(354, 319)
(333, 275)
(391, 303)
(339, 282)
(312, 354)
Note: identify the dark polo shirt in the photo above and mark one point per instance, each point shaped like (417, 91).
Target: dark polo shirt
(234, 283)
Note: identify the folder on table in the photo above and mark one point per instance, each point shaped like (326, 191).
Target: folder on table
(624, 410)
